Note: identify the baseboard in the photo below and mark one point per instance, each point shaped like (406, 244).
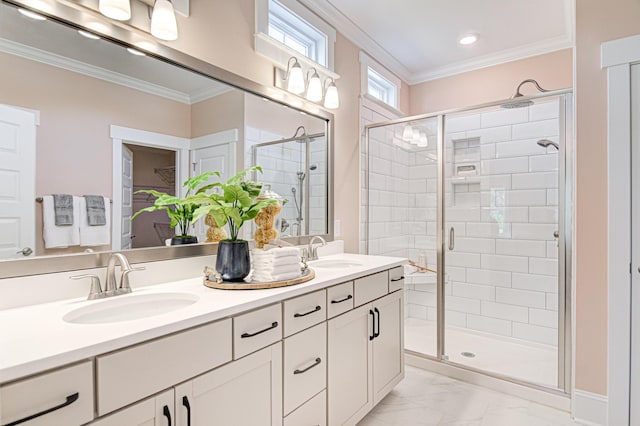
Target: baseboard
(549, 398)
(589, 408)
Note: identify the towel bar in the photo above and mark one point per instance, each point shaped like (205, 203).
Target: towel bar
(39, 200)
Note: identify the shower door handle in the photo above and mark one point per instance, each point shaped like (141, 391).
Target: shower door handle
(452, 238)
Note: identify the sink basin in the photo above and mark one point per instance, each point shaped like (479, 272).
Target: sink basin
(129, 307)
(334, 264)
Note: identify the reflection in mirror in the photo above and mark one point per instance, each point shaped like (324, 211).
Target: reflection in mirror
(105, 122)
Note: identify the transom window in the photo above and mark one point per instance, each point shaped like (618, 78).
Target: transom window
(378, 82)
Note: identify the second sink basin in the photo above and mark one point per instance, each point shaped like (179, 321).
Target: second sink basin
(330, 263)
(129, 307)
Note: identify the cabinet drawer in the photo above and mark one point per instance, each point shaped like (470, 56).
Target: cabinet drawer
(256, 330)
(304, 312)
(371, 287)
(305, 366)
(70, 389)
(339, 299)
(396, 278)
(131, 374)
(312, 413)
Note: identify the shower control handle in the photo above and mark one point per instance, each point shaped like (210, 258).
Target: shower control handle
(452, 238)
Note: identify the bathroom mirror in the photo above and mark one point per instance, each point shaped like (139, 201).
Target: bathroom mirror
(96, 106)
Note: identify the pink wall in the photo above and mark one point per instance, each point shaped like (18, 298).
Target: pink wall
(552, 71)
(596, 22)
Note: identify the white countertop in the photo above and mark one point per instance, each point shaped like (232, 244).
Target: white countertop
(36, 338)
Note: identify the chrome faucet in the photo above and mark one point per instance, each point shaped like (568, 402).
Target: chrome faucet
(313, 251)
(111, 287)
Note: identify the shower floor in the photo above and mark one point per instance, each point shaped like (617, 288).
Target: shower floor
(509, 357)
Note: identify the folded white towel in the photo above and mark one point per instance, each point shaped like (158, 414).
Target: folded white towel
(277, 270)
(94, 235)
(272, 263)
(281, 252)
(59, 236)
(265, 278)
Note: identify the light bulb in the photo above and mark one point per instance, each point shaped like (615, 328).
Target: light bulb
(415, 138)
(314, 91)
(423, 142)
(295, 80)
(163, 21)
(331, 98)
(120, 10)
(407, 133)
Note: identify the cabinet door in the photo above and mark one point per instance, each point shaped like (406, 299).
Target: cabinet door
(349, 364)
(388, 354)
(155, 411)
(245, 392)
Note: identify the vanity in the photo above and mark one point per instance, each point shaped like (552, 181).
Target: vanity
(322, 352)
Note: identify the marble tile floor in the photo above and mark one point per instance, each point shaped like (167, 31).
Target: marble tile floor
(535, 363)
(428, 399)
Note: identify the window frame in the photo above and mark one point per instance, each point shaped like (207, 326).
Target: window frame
(382, 75)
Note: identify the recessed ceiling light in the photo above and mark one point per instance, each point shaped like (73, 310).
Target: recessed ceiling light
(468, 39)
(32, 15)
(89, 35)
(135, 52)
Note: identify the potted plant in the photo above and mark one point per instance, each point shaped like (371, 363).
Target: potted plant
(236, 203)
(181, 213)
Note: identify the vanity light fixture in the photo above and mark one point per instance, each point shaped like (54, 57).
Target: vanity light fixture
(32, 15)
(468, 39)
(163, 21)
(88, 35)
(407, 133)
(423, 142)
(120, 10)
(331, 98)
(135, 52)
(294, 77)
(314, 87)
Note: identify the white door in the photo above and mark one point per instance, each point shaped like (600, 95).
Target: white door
(216, 158)
(127, 197)
(17, 182)
(388, 363)
(635, 244)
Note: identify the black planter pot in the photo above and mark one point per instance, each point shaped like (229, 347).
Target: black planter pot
(183, 239)
(233, 262)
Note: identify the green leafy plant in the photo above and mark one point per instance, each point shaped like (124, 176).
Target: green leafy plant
(236, 202)
(180, 212)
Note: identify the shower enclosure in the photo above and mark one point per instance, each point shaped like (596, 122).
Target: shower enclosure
(480, 200)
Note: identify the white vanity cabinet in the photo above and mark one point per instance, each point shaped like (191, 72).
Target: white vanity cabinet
(154, 411)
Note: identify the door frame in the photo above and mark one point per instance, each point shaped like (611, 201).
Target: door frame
(617, 57)
(121, 135)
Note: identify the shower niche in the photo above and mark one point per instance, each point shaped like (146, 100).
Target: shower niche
(463, 165)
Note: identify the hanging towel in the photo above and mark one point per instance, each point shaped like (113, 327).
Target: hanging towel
(63, 209)
(98, 235)
(95, 210)
(59, 236)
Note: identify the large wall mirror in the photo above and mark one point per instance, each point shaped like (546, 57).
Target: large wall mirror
(106, 121)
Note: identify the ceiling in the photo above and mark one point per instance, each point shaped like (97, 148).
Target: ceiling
(418, 39)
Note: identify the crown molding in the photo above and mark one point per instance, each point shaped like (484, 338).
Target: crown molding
(210, 92)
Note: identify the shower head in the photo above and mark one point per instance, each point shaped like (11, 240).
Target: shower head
(522, 103)
(546, 142)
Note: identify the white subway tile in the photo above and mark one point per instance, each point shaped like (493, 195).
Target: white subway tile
(455, 274)
(457, 319)
(543, 214)
(488, 230)
(488, 151)
(552, 249)
(470, 199)
(380, 165)
(489, 325)
(552, 301)
(504, 263)
(526, 197)
(544, 110)
(543, 163)
(519, 148)
(533, 231)
(521, 248)
(542, 283)
(475, 245)
(505, 312)
(462, 304)
(534, 180)
(504, 166)
(379, 214)
(417, 311)
(432, 315)
(490, 182)
(532, 299)
(503, 117)
(422, 298)
(461, 123)
(535, 333)
(491, 135)
(536, 129)
(543, 318)
(505, 214)
(543, 266)
(474, 291)
(467, 260)
(552, 197)
(466, 214)
(488, 277)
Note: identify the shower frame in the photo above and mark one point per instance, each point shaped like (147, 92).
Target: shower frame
(565, 228)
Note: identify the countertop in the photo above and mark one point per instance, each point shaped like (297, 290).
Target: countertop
(36, 338)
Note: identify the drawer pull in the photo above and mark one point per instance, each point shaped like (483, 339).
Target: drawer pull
(70, 400)
(271, 327)
(316, 309)
(400, 278)
(373, 325)
(167, 413)
(185, 403)
(377, 333)
(343, 299)
(304, 370)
